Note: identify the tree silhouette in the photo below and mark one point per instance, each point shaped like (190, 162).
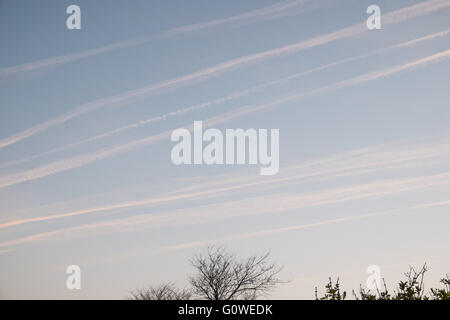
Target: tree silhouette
(165, 291)
(221, 276)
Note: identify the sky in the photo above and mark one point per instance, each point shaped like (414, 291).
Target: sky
(86, 176)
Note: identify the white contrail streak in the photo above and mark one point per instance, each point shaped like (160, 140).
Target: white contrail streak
(264, 204)
(356, 162)
(52, 235)
(389, 18)
(224, 99)
(268, 232)
(35, 65)
(435, 58)
(278, 10)
(79, 161)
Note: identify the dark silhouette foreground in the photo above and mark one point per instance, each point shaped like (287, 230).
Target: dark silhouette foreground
(220, 275)
(412, 288)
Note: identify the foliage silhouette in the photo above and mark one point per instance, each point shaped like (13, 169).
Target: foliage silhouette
(412, 288)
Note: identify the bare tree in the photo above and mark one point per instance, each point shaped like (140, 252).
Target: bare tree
(221, 276)
(165, 291)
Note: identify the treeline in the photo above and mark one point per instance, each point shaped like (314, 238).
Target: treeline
(220, 275)
(411, 288)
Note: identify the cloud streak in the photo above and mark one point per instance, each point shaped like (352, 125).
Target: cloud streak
(278, 10)
(319, 199)
(6, 251)
(225, 99)
(274, 231)
(79, 161)
(358, 162)
(267, 204)
(275, 11)
(389, 18)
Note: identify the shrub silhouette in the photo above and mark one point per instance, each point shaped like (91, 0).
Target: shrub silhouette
(412, 288)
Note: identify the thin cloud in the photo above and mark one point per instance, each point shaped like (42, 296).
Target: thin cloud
(273, 231)
(435, 58)
(389, 18)
(363, 161)
(267, 13)
(6, 251)
(45, 63)
(79, 161)
(266, 205)
(225, 99)
(367, 191)
(278, 10)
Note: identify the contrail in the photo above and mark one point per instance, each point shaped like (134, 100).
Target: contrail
(390, 18)
(353, 164)
(6, 251)
(438, 57)
(267, 232)
(278, 10)
(225, 99)
(60, 233)
(360, 161)
(264, 204)
(79, 161)
(26, 67)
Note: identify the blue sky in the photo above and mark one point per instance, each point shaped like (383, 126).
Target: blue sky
(85, 171)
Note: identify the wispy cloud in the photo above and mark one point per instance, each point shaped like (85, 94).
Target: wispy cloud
(262, 233)
(6, 251)
(389, 18)
(275, 11)
(272, 231)
(79, 161)
(367, 191)
(54, 61)
(266, 204)
(363, 161)
(225, 99)
(435, 58)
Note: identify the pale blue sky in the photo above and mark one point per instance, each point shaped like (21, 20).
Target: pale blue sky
(364, 156)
